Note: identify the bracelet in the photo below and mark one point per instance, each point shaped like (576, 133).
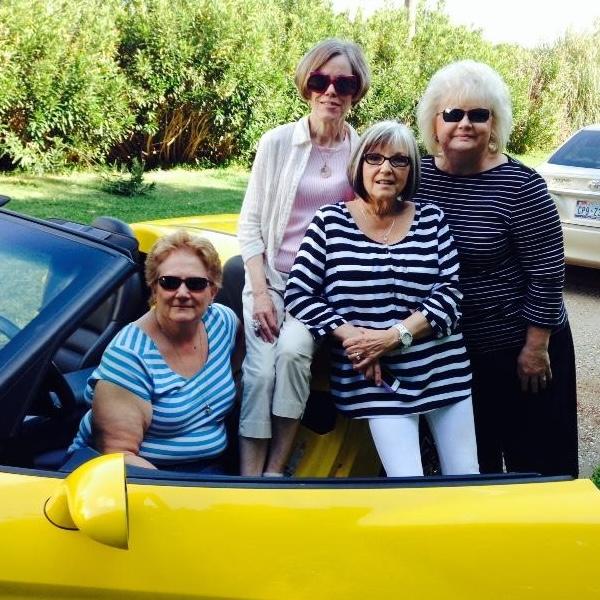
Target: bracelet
(255, 294)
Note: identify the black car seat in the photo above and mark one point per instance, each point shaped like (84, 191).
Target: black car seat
(85, 346)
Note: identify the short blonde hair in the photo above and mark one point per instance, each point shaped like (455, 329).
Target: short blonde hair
(182, 240)
(324, 51)
(466, 82)
(385, 133)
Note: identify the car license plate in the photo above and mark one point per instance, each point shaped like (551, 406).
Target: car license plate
(587, 210)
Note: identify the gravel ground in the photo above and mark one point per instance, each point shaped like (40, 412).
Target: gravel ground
(582, 295)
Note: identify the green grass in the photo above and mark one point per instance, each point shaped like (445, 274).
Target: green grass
(79, 196)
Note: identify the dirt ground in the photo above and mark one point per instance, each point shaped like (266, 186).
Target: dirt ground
(582, 295)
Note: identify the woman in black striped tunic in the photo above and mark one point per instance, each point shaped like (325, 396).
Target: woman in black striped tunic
(379, 276)
(508, 236)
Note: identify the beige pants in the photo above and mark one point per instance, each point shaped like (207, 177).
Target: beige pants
(276, 376)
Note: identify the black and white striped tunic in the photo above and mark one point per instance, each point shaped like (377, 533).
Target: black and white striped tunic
(341, 276)
(509, 241)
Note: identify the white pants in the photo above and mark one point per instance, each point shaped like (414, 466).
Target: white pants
(397, 441)
(276, 376)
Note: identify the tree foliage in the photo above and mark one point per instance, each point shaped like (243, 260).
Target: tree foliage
(199, 81)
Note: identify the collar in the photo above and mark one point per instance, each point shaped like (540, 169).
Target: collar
(301, 134)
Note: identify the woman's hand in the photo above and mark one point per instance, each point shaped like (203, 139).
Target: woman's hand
(265, 316)
(367, 347)
(372, 372)
(533, 363)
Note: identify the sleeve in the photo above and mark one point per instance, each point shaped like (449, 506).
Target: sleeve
(249, 225)
(304, 294)
(537, 237)
(229, 320)
(442, 307)
(122, 366)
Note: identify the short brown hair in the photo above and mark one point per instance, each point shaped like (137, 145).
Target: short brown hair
(182, 240)
(324, 51)
(382, 134)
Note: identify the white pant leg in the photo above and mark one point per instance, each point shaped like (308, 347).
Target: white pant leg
(258, 372)
(454, 435)
(293, 358)
(397, 443)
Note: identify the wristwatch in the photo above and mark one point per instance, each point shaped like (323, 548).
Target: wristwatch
(404, 335)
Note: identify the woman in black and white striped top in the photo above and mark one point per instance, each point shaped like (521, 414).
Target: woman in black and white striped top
(509, 242)
(379, 275)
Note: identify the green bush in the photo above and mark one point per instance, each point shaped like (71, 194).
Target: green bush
(199, 81)
(63, 99)
(127, 181)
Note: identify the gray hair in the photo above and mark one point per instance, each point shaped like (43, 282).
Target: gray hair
(466, 82)
(386, 133)
(324, 51)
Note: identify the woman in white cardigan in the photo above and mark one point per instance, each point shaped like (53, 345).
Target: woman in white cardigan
(298, 168)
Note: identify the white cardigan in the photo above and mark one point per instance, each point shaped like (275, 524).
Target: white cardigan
(280, 161)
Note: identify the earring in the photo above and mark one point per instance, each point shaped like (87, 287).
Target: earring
(493, 144)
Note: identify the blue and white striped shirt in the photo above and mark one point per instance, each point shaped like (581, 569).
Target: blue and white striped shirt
(342, 276)
(187, 413)
(510, 247)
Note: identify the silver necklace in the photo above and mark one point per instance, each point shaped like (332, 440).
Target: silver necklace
(325, 170)
(386, 235)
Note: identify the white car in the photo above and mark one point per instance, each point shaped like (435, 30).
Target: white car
(572, 174)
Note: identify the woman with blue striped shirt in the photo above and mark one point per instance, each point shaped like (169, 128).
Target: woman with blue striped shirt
(378, 275)
(508, 236)
(164, 386)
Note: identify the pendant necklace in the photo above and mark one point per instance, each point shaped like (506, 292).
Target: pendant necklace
(325, 170)
(386, 235)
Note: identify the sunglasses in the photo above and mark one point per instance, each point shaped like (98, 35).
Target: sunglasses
(194, 284)
(475, 115)
(398, 160)
(344, 85)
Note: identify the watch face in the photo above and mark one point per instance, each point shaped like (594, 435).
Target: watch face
(406, 339)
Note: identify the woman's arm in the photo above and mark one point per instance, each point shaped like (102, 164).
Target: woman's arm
(263, 309)
(441, 308)
(249, 225)
(304, 294)
(119, 421)
(537, 237)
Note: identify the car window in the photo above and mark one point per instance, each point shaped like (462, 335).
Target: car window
(582, 150)
(36, 268)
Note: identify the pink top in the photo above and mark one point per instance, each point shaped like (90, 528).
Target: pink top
(314, 191)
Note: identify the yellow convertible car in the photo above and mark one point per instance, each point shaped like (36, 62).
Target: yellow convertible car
(335, 529)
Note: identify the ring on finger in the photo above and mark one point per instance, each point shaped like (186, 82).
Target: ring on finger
(255, 324)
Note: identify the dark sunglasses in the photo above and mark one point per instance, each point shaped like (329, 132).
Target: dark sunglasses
(194, 284)
(344, 85)
(475, 115)
(398, 160)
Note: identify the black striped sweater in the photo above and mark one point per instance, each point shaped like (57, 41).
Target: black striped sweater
(510, 247)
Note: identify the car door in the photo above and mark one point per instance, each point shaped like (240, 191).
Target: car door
(234, 537)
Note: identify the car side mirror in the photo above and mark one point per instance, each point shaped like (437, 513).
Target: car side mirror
(93, 500)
